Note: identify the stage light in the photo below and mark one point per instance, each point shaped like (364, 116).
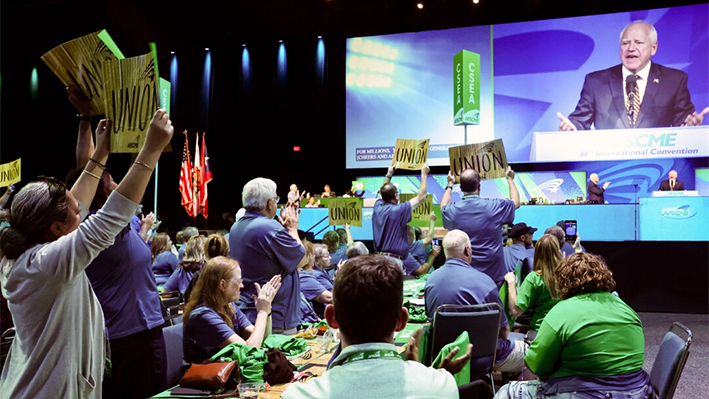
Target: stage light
(351, 79)
(319, 37)
(476, 1)
(34, 84)
(206, 48)
(356, 44)
(420, 6)
(243, 45)
(280, 41)
(172, 52)
(296, 148)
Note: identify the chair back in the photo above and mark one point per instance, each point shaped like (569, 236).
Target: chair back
(174, 353)
(482, 322)
(670, 361)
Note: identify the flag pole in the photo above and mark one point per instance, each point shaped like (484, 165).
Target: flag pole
(155, 196)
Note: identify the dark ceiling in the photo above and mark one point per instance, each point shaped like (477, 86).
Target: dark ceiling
(40, 25)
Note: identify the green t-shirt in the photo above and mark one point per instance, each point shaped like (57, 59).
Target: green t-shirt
(590, 334)
(533, 294)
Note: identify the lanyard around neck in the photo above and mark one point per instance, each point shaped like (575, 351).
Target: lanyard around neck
(373, 354)
(471, 196)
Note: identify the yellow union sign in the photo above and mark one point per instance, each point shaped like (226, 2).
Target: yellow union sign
(10, 173)
(423, 211)
(488, 158)
(410, 154)
(345, 210)
(131, 91)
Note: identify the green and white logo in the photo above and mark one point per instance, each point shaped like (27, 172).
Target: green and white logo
(466, 88)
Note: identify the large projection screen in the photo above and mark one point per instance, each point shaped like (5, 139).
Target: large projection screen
(401, 85)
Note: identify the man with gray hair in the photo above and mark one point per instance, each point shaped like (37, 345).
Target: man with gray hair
(264, 247)
(458, 283)
(187, 233)
(635, 94)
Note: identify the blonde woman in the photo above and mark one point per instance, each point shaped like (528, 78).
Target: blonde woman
(191, 263)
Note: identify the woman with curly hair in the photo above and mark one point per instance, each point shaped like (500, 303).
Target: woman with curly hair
(164, 260)
(211, 319)
(538, 290)
(590, 345)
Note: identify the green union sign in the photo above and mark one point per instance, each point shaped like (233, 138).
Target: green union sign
(466, 88)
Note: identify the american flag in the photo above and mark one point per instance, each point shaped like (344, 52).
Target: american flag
(206, 177)
(186, 179)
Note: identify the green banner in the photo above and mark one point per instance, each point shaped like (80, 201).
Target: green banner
(359, 185)
(466, 88)
(164, 88)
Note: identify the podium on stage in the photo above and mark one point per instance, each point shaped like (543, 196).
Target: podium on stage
(680, 193)
(620, 144)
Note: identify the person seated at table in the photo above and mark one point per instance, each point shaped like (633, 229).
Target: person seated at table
(327, 193)
(310, 287)
(213, 322)
(215, 245)
(164, 260)
(367, 309)
(334, 247)
(591, 343)
(187, 233)
(191, 263)
(323, 260)
(538, 290)
(421, 249)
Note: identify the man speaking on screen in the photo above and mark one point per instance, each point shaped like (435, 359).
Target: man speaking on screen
(635, 94)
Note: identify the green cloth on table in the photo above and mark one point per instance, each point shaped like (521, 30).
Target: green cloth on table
(416, 314)
(251, 360)
(463, 376)
(289, 345)
(416, 285)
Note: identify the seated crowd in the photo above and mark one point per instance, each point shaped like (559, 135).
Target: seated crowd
(79, 265)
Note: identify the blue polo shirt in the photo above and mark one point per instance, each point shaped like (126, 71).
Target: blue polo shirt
(339, 254)
(482, 220)
(419, 252)
(323, 278)
(311, 288)
(123, 280)
(389, 227)
(205, 330)
(263, 248)
(179, 280)
(513, 254)
(163, 266)
(457, 283)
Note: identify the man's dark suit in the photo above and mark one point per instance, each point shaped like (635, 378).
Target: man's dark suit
(665, 186)
(666, 101)
(595, 193)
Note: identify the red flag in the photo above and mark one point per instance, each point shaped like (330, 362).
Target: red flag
(197, 178)
(206, 177)
(186, 194)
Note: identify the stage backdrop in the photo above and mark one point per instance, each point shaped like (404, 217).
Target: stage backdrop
(402, 85)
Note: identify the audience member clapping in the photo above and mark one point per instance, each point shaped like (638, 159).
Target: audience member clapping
(212, 321)
(310, 288)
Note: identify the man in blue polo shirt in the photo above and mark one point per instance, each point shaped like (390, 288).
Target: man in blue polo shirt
(389, 220)
(482, 220)
(457, 283)
(521, 236)
(265, 247)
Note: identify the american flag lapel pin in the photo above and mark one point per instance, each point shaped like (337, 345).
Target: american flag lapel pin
(656, 80)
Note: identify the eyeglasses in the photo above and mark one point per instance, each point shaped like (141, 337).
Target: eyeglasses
(276, 198)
